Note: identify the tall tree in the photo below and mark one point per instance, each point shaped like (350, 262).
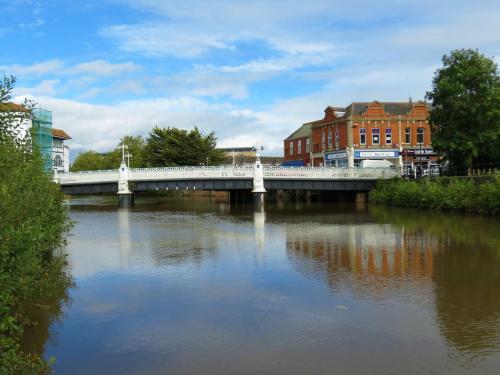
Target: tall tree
(175, 147)
(91, 160)
(465, 113)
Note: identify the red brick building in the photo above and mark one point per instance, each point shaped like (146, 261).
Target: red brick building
(398, 132)
(297, 147)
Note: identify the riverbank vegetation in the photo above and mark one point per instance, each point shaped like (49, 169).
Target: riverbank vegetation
(164, 147)
(33, 223)
(447, 194)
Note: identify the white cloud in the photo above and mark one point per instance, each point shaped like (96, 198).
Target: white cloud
(102, 68)
(46, 87)
(38, 69)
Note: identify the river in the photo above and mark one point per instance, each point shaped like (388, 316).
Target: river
(193, 286)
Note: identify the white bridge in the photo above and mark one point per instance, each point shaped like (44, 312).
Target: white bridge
(256, 178)
(225, 173)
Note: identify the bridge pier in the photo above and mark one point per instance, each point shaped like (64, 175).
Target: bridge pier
(258, 183)
(125, 196)
(126, 200)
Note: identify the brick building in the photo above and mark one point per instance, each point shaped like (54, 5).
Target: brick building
(398, 132)
(297, 147)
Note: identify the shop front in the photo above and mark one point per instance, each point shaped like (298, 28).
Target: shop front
(340, 159)
(373, 154)
(420, 161)
(336, 159)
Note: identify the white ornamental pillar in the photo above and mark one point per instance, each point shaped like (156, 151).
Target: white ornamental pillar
(258, 182)
(125, 196)
(350, 157)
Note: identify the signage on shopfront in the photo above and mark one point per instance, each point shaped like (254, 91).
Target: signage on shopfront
(369, 154)
(418, 151)
(336, 155)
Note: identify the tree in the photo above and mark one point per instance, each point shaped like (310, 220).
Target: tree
(465, 114)
(91, 160)
(33, 221)
(176, 147)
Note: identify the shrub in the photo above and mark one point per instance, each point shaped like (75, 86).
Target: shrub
(456, 194)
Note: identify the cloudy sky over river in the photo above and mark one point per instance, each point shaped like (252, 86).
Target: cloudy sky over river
(250, 71)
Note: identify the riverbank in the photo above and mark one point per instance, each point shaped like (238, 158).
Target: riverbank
(444, 194)
(33, 224)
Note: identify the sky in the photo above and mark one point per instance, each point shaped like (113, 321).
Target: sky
(250, 71)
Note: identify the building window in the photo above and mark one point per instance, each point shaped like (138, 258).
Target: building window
(323, 139)
(408, 135)
(375, 136)
(388, 136)
(307, 145)
(420, 135)
(299, 146)
(329, 138)
(337, 138)
(291, 148)
(362, 136)
(58, 161)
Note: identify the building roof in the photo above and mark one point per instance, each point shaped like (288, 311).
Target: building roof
(237, 149)
(392, 108)
(12, 107)
(58, 133)
(303, 131)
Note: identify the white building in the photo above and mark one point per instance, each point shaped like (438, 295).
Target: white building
(60, 151)
(50, 141)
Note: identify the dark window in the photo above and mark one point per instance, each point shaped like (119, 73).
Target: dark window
(362, 136)
(376, 136)
(408, 135)
(420, 135)
(388, 136)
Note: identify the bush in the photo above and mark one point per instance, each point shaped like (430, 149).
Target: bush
(33, 223)
(454, 194)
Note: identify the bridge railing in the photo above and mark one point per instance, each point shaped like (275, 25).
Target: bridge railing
(322, 173)
(86, 177)
(225, 172)
(179, 173)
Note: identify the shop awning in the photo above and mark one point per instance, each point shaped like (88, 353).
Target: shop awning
(293, 163)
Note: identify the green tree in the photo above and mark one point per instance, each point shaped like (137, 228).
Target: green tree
(33, 221)
(177, 147)
(135, 147)
(465, 113)
(91, 160)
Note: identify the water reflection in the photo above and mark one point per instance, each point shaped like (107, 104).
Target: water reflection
(173, 286)
(449, 263)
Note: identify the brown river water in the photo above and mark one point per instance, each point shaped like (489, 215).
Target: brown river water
(192, 286)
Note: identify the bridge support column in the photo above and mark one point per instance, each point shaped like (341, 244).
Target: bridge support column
(258, 182)
(125, 196)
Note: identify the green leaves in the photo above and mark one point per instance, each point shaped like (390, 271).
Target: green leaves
(33, 222)
(447, 194)
(466, 110)
(167, 147)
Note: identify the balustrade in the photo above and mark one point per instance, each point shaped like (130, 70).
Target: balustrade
(227, 172)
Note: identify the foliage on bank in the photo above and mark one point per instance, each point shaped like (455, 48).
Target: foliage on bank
(93, 161)
(465, 114)
(164, 147)
(33, 222)
(447, 194)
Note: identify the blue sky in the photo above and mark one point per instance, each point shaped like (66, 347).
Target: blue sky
(252, 71)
